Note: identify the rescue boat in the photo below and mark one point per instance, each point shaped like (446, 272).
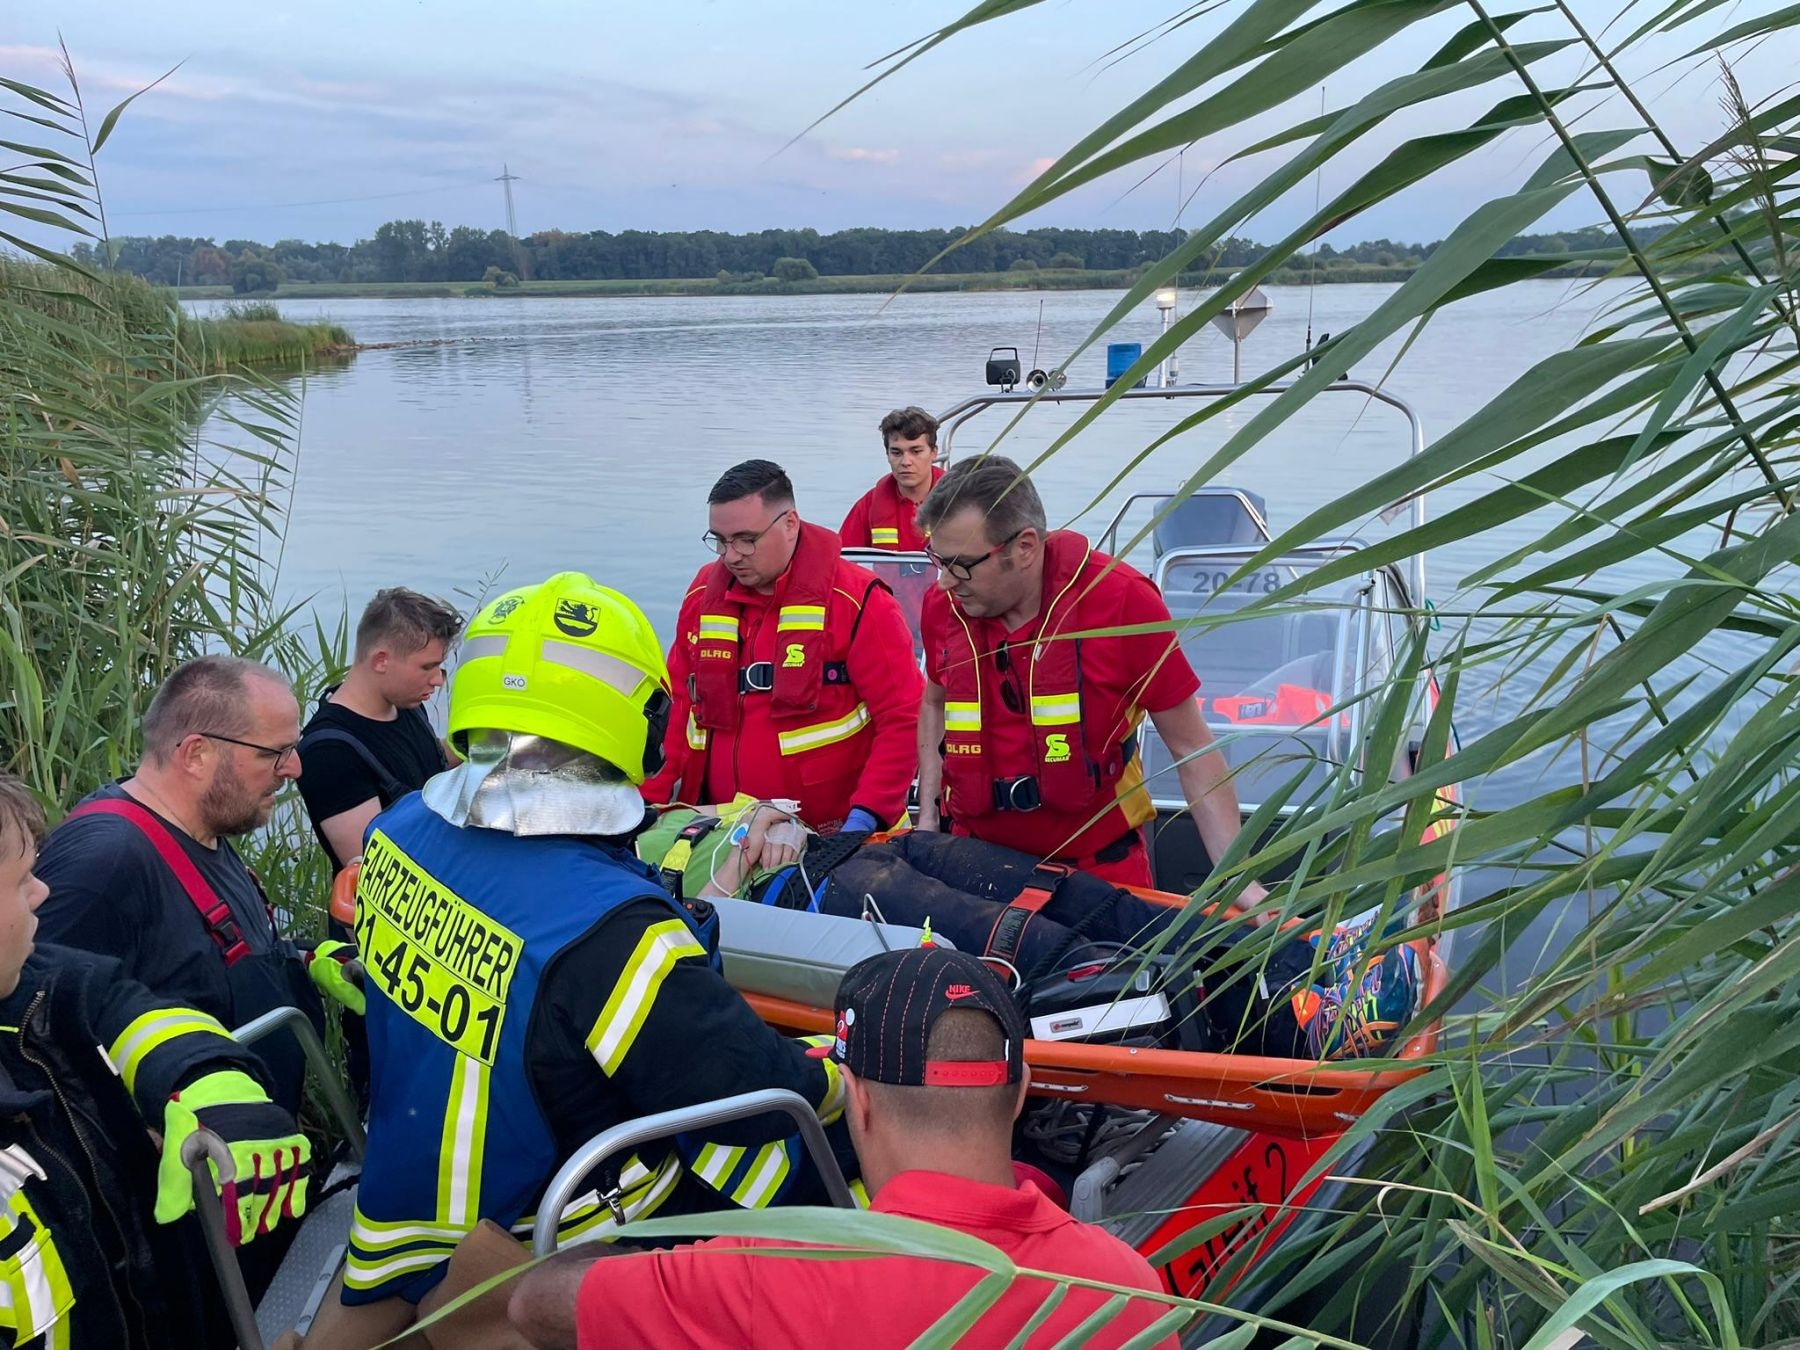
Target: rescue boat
(1286, 690)
(1165, 1141)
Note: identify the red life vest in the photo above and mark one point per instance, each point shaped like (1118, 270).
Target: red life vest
(817, 715)
(1076, 765)
(890, 524)
(795, 682)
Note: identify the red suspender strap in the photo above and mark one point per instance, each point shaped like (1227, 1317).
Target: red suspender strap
(214, 912)
(1008, 934)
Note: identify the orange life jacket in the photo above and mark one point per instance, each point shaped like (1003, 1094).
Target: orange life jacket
(1291, 705)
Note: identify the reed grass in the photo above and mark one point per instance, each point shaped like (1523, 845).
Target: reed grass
(1607, 1146)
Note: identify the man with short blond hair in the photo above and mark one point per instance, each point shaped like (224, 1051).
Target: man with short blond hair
(369, 742)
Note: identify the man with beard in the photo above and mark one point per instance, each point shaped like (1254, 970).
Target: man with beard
(143, 870)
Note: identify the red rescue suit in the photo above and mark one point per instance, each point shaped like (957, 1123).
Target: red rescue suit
(809, 692)
(882, 518)
(1040, 744)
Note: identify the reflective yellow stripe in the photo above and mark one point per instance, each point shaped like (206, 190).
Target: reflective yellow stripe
(883, 534)
(1055, 710)
(622, 1018)
(35, 1292)
(373, 1235)
(715, 1162)
(696, 736)
(859, 1193)
(362, 1272)
(153, 1030)
(767, 1172)
(721, 626)
(802, 739)
(642, 1194)
(833, 1105)
(963, 717)
(464, 1143)
(801, 618)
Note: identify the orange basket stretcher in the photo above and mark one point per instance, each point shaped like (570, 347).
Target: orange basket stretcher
(1301, 1098)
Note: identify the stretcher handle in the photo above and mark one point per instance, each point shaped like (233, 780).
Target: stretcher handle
(197, 1150)
(337, 1100)
(702, 1116)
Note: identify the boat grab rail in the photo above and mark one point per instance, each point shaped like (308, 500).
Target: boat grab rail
(629, 1134)
(331, 1087)
(954, 417)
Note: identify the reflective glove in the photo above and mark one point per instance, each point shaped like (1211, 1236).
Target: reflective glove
(329, 966)
(819, 1046)
(269, 1154)
(859, 821)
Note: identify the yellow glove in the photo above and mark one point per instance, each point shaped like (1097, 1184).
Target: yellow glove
(337, 975)
(268, 1152)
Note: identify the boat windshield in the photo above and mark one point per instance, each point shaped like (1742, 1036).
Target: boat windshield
(1270, 677)
(1283, 665)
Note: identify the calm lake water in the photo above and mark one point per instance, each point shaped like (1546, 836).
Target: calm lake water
(537, 435)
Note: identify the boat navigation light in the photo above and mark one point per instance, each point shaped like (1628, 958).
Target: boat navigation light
(1168, 371)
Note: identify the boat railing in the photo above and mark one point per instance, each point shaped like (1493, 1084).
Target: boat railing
(955, 417)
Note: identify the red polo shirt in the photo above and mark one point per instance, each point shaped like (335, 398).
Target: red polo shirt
(1122, 678)
(713, 1295)
(858, 529)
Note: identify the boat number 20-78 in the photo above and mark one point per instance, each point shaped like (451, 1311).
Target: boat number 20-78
(1264, 582)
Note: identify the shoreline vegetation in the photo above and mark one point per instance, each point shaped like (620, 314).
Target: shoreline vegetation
(1044, 279)
(249, 332)
(415, 258)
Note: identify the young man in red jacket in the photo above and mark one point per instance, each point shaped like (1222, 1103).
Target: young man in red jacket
(931, 1046)
(884, 516)
(792, 669)
(1028, 731)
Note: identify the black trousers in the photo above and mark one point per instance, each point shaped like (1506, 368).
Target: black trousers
(960, 885)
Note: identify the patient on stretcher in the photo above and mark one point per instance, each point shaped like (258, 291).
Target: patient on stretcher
(1072, 943)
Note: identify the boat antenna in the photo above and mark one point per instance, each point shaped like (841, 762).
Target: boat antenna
(1312, 272)
(1038, 340)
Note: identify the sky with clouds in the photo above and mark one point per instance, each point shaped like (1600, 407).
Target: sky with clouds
(321, 121)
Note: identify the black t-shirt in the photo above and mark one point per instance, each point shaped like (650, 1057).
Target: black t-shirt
(335, 779)
(111, 892)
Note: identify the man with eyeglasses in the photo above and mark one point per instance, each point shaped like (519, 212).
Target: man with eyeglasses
(1028, 731)
(792, 669)
(143, 870)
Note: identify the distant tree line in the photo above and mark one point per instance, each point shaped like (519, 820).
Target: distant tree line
(414, 250)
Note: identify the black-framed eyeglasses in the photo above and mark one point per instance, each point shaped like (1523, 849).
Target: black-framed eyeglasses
(963, 569)
(743, 544)
(1012, 694)
(276, 755)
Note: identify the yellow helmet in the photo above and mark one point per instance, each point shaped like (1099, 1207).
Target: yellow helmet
(569, 660)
